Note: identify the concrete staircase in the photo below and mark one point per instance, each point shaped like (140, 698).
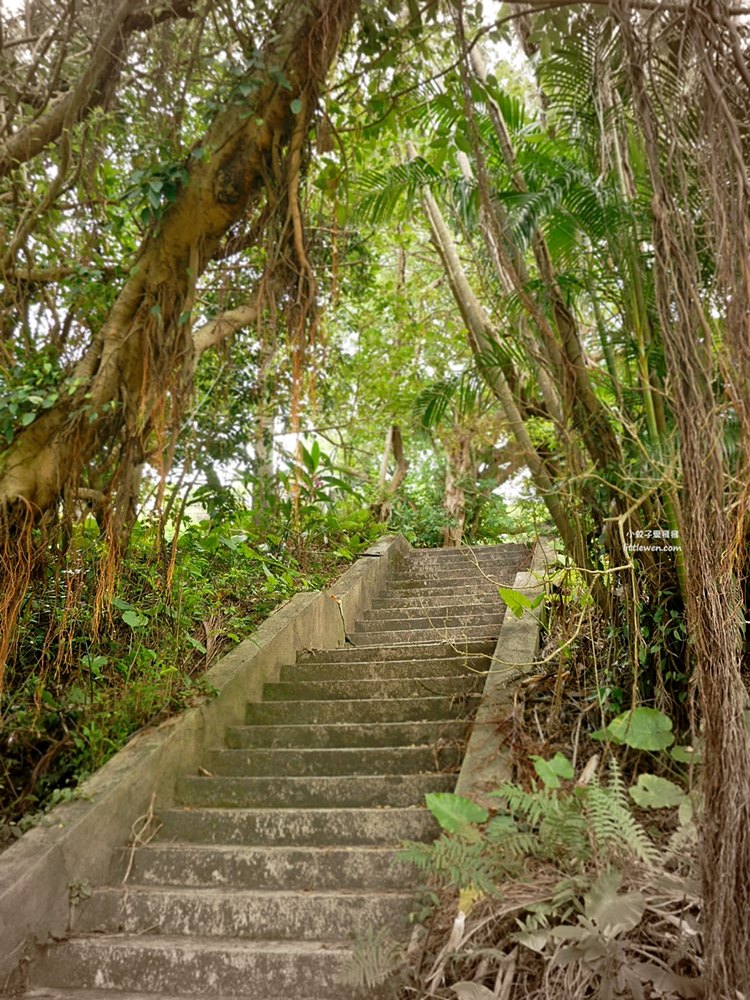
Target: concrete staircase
(284, 844)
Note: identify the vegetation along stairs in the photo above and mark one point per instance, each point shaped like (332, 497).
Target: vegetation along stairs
(285, 842)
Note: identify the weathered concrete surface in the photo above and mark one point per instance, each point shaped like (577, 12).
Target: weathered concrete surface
(195, 966)
(363, 581)
(351, 790)
(432, 620)
(477, 606)
(485, 764)
(264, 915)
(45, 993)
(414, 601)
(347, 734)
(465, 633)
(78, 840)
(269, 868)
(421, 651)
(285, 841)
(382, 670)
(363, 710)
(295, 762)
(386, 687)
(302, 828)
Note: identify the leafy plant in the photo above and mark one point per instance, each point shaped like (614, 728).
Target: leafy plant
(589, 918)
(642, 728)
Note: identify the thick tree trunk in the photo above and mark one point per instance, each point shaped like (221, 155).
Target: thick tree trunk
(135, 374)
(708, 367)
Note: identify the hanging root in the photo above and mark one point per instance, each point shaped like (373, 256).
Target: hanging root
(18, 556)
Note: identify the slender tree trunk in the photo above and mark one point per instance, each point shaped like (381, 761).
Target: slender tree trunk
(558, 330)
(481, 334)
(387, 488)
(458, 466)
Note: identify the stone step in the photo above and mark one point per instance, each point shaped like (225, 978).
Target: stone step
(270, 868)
(287, 840)
(197, 966)
(368, 734)
(383, 669)
(457, 603)
(508, 550)
(420, 620)
(360, 710)
(460, 574)
(421, 635)
(370, 689)
(468, 572)
(458, 582)
(295, 762)
(317, 792)
(242, 913)
(444, 590)
(396, 651)
(295, 827)
(492, 606)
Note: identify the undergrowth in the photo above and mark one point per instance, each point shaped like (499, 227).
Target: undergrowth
(99, 657)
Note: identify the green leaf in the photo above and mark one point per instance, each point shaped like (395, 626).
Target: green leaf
(196, 645)
(134, 619)
(500, 828)
(121, 605)
(77, 696)
(296, 106)
(95, 663)
(28, 418)
(518, 602)
(550, 771)
(686, 754)
(653, 792)
(454, 812)
(640, 728)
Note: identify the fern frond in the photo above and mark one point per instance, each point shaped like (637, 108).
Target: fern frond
(613, 827)
(454, 860)
(563, 832)
(373, 960)
(530, 806)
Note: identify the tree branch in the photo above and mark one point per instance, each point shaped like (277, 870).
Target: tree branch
(93, 85)
(217, 330)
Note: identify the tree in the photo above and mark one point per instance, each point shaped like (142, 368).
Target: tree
(127, 390)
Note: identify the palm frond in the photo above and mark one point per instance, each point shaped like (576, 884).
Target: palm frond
(383, 190)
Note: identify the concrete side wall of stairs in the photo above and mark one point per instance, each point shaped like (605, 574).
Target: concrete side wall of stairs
(76, 844)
